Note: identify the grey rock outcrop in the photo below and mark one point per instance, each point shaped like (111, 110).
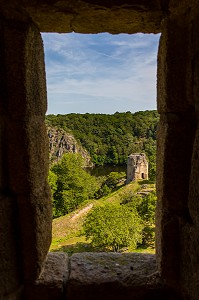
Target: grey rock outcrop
(61, 142)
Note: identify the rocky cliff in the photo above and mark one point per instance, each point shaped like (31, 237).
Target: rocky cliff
(61, 142)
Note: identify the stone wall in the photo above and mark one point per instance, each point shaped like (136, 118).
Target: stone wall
(25, 205)
(25, 195)
(177, 148)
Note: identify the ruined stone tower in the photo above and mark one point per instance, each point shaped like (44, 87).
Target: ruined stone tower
(137, 167)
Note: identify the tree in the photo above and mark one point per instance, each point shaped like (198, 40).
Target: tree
(150, 150)
(114, 178)
(74, 184)
(145, 207)
(52, 180)
(146, 211)
(113, 226)
(109, 183)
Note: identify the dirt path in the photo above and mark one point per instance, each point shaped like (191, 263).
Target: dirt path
(82, 212)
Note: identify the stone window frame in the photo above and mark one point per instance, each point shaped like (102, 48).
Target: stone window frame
(23, 94)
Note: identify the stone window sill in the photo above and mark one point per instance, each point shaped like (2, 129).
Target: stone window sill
(106, 276)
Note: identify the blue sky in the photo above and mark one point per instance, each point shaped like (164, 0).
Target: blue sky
(100, 73)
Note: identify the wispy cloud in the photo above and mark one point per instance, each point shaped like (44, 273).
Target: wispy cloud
(100, 73)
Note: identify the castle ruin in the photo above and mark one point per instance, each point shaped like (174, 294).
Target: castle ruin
(137, 167)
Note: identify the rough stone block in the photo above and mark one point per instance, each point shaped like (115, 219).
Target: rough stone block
(193, 203)
(90, 16)
(24, 71)
(17, 294)
(175, 73)
(190, 232)
(25, 150)
(4, 177)
(175, 139)
(11, 276)
(174, 150)
(51, 284)
(168, 246)
(176, 6)
(115, 276)
(116, 19)
(195, 68)
(35, 223)
(27, 154)
(189, 261)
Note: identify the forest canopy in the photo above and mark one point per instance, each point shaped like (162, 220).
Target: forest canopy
(109, 139)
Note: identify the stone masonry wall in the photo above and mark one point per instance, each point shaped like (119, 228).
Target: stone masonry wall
(25, 204)
(177, 230)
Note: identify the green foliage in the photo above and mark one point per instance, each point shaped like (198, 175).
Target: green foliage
(109, 183)
(145, 206)
(130, 198)
(73, 184)
(103, 191)
(113, 226)
(111, 138)
(150, 149)
(146, 210)
(52, 180)
(114, 178)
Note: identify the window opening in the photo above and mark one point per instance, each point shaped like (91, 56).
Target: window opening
(101, 109)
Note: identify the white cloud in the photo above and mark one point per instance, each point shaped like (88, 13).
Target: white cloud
(114, 73)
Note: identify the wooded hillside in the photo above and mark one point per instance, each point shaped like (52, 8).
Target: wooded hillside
(109, 139)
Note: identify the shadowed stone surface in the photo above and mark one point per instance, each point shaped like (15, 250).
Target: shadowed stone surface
(190, 231)
(115, 276)
(177, 103)
(25, 151)
(10, 272)
(15, 295)
(175, 67)
(175, 145)
(51, 283)
(89, 16)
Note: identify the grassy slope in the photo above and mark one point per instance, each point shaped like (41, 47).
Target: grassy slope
(67, 229)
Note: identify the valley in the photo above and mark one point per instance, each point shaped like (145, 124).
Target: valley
(88, 166)
(67, 229)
